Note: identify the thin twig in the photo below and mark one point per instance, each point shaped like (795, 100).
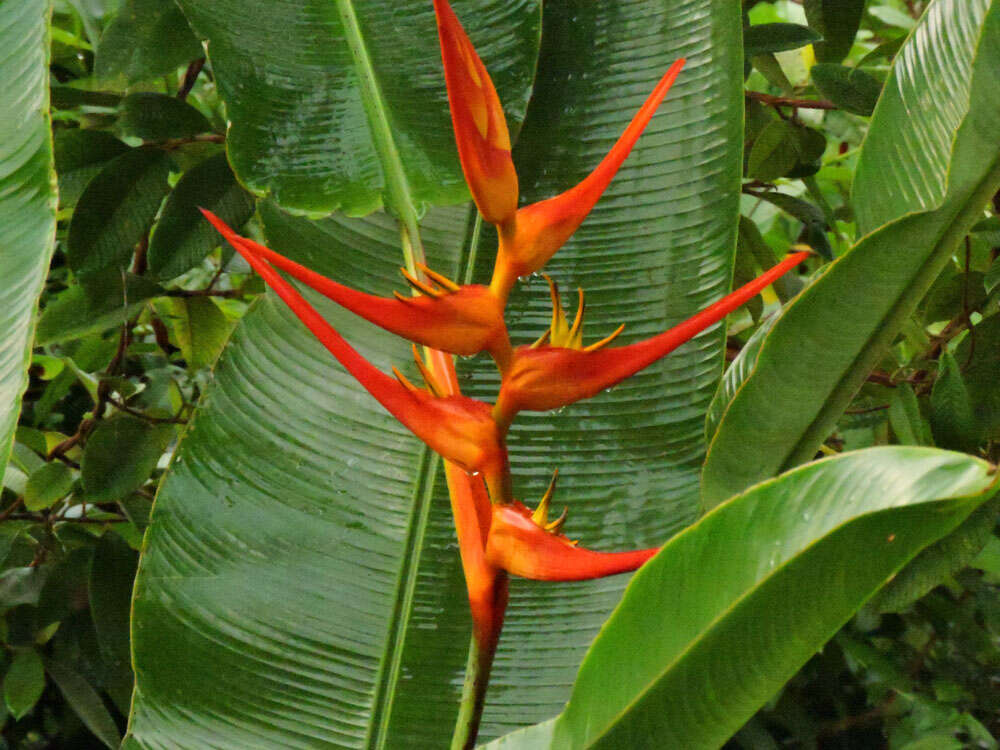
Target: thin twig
(142, 415)
(789, 101)
(190, 76)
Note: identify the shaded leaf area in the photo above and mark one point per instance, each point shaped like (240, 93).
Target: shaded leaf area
(158, 117)
(826, 342)
(306, 108)
(183, 237)
(700, 640)
(776, 37)
(852, 90)
(27, 199)
(837, 21)
(302, 525)
(656, 248)
(148, 38)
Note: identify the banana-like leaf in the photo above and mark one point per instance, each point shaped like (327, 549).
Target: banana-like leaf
(924, 176)
(332, 102)
(27, 197)
(300, 585)
(712, 626)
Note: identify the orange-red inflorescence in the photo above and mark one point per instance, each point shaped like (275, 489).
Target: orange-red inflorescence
(497, 534)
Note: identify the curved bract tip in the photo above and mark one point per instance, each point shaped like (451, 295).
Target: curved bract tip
(478, 120)
(522, 547)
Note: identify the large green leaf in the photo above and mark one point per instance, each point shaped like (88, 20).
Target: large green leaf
(922, 182)
(701, 639)
(300, 585)
(27, 197)
(329, 99)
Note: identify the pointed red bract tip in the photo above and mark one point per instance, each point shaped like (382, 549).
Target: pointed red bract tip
(543, 227)
(521, 547)
(550, 377)
(460, 429)
(478, 120)
(462, 320)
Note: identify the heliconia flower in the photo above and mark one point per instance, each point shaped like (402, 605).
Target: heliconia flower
(531, 235)
(543, 377)
(459, 428)
(526, 544)
(457, 319)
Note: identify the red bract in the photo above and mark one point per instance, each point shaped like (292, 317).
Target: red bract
(529, 236)
(459, 428)
(543, 377)
(456, 319)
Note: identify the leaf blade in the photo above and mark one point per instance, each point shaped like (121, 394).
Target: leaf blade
(821, 349)
(27, 200)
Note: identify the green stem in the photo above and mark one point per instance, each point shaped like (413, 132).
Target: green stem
(470, 710)
(397, 185)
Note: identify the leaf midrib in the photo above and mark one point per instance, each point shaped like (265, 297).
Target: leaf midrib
(401, 200)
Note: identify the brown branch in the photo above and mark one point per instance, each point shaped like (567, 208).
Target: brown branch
(172, 143)
(225, 293)
(789, 101)
(190, 76)
(148, 417)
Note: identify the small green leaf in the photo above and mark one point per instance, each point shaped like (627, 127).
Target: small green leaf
(120, 455)
(811, 147)
(158, 117)
(111, 576)
(771, 69)
(774, 153)
(992, 279)
(65, 591)
(979, 354)
(885, 51)
(988, 559)
(116, 210)
(68, 97)
(147, 39)
(852, 90)
(24, 682)
(80, 155)
(809, 214)
(776, 37)
(71, 315)
(938, 562)
(905, 419)
(953, 422)
(85, 701)
(744, 271)
(50, 483)
(197, 327)
(837, 21)
(182, 237)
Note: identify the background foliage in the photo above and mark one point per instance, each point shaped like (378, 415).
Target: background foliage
(140, 301)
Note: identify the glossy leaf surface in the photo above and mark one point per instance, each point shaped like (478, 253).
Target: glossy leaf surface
(700, 640)
(324, 118)
(27, 199)
(942, 168)
(294, 494)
